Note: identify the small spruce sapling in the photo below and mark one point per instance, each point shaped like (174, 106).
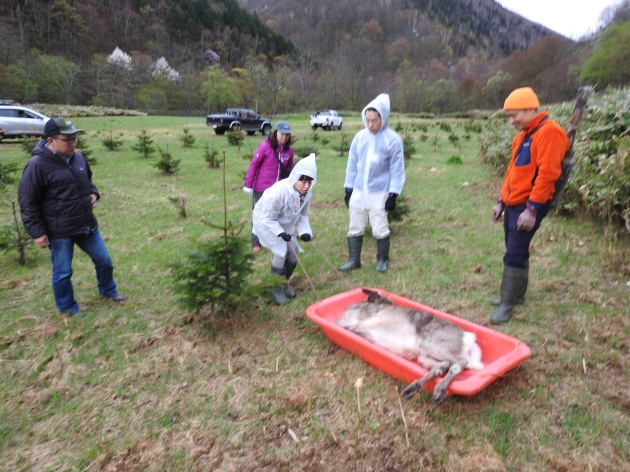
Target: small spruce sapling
(214, 276)
(167, 164)
(236, 138)
(86, 150)
(210, 156)
(111, 143)
(144, 146)
(409, 148)
(6, 173)
(180, 204)
(187, 139)
(14, 237)
(27, 143)
(344, 147)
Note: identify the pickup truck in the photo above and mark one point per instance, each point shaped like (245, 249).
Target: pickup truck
(326, 119)
(239, 118)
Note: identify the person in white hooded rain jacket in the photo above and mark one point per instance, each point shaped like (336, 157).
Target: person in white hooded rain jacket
(375, 175)
(283, 209)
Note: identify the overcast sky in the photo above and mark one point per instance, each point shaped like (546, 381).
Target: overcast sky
(571, 18)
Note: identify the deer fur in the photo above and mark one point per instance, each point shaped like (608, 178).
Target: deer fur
(436, 344)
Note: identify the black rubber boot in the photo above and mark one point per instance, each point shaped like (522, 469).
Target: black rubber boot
(278, 292)
(513, 279)
(355, 243)
(520, 296)
(382, 254)
(288, 290)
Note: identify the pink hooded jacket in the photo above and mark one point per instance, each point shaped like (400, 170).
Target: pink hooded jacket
(264, 170)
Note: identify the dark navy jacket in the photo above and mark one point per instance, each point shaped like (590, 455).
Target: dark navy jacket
(54, 196)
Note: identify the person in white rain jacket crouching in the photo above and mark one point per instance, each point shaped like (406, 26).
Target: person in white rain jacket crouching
(281, 211)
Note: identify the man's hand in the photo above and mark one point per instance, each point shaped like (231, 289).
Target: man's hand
(248, 191)
(285, 236)
(306, 237)
(93, 199)
(42, 241)
(346, 198)
(497, 212)
(390, 203)
(527, 219)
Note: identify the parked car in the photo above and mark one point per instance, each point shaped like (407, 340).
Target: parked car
(243, 118)
(17, 121)
(326, 119)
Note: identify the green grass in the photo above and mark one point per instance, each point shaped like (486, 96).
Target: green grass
(138, 386)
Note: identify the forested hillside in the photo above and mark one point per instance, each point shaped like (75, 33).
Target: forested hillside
(461, 26)
(193, 56)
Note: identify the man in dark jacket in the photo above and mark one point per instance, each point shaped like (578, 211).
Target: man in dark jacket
(57, 197)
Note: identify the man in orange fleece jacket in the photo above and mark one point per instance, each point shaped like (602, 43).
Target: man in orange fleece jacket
(528, 186)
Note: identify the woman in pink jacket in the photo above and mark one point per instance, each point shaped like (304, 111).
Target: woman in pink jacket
(273, 155)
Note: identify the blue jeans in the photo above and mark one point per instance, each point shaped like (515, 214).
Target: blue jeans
(61, 253)
(517, 242)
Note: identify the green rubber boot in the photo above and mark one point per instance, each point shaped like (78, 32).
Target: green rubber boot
(355, 243)
(288, 290)
(382, 254)
(513, 279)
(278, 292)
(520, 296)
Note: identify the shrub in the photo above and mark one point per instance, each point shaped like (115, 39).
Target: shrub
(187, 139)
(28, 144)
(495, 147)
(453, 138)
(14, 237)
(167, 164)
(112, 143)
(600, 181)
(455, 160)
(87, 152)
(303, 151)
(444, 126)
(402, 209)
(210, 156)
(6, 171)
(214, 276)
(343, 147)
(472, 127)
(180, 204)
(235, 138)
(144, 146)
(409, 148)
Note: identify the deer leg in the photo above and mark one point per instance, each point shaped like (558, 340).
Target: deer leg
(414, 387)
(439, 392)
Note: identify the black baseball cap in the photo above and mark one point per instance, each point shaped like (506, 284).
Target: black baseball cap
(56, 126)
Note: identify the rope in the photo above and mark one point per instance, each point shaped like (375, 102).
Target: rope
(344, 277)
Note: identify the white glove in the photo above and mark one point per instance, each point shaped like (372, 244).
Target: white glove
(248, 191)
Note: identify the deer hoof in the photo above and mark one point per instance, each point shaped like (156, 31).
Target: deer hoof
(409, 392)
(438, 397)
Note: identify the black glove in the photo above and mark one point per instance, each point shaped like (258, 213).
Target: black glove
(347, 197)
(306, 237)
(285, 236)
(390, 203)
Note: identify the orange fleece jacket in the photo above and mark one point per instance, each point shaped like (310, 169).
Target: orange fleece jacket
(532, 177)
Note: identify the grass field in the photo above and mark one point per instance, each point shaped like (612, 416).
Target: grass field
(144, 386)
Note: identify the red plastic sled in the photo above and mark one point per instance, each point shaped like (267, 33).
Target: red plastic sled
(500, 352)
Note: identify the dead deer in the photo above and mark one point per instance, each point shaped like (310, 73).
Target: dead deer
(436, 344)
